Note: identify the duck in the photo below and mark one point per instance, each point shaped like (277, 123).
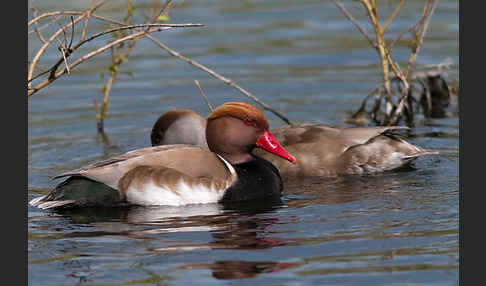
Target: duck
(329, 151)
(179, 126)
(227, 171)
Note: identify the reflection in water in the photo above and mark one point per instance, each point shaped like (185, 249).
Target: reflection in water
(239, 269)
(232, 226)
(345, 189)
(351, 201)
(109, 149)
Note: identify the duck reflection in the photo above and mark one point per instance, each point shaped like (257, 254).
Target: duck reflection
(235, 226)
(345, 189)
(251, 225)
(225, 270)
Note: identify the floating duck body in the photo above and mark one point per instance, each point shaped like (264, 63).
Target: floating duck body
(323, 150)
(182, 174)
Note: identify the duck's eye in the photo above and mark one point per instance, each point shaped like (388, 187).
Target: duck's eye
(250, 122)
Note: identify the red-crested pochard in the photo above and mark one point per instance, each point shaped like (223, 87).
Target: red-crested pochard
(322, 150)
(182, 174)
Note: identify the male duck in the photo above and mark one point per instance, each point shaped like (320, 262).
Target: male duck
(182, 174)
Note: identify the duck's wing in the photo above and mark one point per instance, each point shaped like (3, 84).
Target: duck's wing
(160, 185)
(324, 150)
(191, 160)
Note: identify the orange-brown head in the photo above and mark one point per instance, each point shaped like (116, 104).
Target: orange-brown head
(234, 128)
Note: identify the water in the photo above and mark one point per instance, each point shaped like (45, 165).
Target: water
(305, 60)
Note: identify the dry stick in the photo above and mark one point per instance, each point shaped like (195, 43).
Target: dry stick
(162, 10)
(102, 18)
(118, 60)
(54, 68)
(67, 48)
(372, 13)
(53, 20)
(413, 27)
(44, 47)
(105, 19)
(55, 13)
(204, 96)
(131, 27)
(90, 55)
(36, 28)
(393, 15)
(113, 74)
(216, 75)
(362, 108)
(353, 20)
(72, 33)
(428, 11)
(88, 16)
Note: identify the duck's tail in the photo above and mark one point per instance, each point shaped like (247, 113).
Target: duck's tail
(77, 191)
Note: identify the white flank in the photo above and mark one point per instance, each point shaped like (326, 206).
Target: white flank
(184, 194)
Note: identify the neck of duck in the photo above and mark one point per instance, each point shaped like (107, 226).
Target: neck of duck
(236, 158)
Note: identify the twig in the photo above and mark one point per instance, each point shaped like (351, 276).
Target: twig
(162, 10)
(44, 47)
(36, 28)
(88, 16)
(393, 15)
(429, 9)
(108, 20)
(382, 51)
(55, 13)
(413, 27)
(353, 20)
(218, 76)
(63, 52)
(90, 55)
(131, 27)
(204, 95)
(164, 27)
(72, 33)
(117, 59)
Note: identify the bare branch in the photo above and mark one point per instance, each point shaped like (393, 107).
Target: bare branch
(88, 16)
(216, 75)
(108, 20)
(36, 28)
(353, 20)
(136, 27)
(90, 55)
(427, 14)
(204, 95)
(44, 47)
(63, 52)
(162, 10)
(393, 15)
(164, 27)
(55, 13)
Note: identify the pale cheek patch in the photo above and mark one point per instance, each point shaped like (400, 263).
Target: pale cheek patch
(182, 194)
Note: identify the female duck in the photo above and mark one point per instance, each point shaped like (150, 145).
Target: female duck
(320, 150)
(182, 174)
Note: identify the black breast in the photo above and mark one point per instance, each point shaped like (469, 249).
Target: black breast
(257, 179)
